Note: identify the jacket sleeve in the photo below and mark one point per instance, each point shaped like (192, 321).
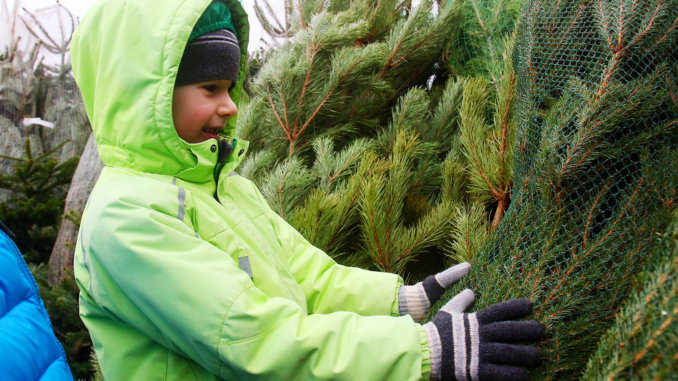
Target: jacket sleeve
(28, 348)
(154, 274)
(329, 286)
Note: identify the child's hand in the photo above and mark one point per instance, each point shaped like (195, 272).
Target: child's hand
(417, 299)
(482, 345)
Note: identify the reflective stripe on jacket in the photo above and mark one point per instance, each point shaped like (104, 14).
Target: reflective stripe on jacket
(179, 284)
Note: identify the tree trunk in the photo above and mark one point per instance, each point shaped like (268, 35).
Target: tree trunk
(86, 175)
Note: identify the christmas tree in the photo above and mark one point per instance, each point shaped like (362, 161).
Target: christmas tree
(595, 177)
(367, 138)
(44, 128)
(38, 184)
(643, 343)
(38, 100)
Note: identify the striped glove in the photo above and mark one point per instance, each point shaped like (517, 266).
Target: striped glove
(417, 299)
(477, 346)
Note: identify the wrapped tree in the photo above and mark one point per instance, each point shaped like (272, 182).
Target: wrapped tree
(39, 100)
(595, 177)
(642, 341)
(366, 138)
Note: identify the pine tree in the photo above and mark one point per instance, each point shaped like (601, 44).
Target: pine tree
(61, 302)
(366, 140)
(39, 184)
(643, 342)
(595, 161)
(37, 100)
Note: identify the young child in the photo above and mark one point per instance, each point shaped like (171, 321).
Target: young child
(186, 273)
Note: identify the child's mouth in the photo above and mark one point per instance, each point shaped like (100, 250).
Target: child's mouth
(211, 133)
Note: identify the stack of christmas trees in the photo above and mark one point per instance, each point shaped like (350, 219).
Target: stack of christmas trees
(389, 136)
(370, 142)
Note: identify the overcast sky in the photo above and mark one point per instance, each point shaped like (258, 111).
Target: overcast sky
(79, 7)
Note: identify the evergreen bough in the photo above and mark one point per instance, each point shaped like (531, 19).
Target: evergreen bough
(368, 140)
(643, 341)
(39, 184)
(595, 180)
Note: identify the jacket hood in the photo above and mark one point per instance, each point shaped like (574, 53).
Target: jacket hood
(125, 57)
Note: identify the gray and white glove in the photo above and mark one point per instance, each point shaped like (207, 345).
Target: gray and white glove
(482, 345)
(415, 300)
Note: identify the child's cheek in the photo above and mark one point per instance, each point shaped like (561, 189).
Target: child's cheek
(201, 111)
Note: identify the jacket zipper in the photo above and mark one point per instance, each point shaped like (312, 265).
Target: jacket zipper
(225, 150)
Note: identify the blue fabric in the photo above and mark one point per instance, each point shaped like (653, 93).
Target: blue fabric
(28, 348)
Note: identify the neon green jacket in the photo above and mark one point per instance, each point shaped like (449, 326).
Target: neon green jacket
(177, 283)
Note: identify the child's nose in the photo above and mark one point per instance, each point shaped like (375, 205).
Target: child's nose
(226, 107)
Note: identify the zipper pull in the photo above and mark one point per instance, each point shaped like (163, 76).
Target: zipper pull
(225, 150)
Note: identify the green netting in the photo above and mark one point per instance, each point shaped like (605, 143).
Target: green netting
(595, 168)
(643, 341)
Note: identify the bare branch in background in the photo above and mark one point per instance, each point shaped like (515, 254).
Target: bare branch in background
(61, 48)
(274, 26)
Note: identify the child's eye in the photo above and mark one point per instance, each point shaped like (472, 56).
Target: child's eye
(210, 88)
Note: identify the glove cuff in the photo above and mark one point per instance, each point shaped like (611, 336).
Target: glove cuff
(412, 300)
(435, 350)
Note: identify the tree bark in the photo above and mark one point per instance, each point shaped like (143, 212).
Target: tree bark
(86, 175)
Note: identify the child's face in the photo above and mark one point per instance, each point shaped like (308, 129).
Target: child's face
(200, 110)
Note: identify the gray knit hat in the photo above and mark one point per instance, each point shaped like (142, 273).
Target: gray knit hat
(212, 52)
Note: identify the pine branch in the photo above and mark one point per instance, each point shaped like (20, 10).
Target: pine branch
(590, 169)
(473, 133)
(470, 232)
(446, 114)
(299, 13)
(642, 339)
(284, 126)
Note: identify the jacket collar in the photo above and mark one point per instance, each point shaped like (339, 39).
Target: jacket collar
(208, 167)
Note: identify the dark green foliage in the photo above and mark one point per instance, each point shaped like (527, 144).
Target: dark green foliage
(595, 177)
(61, 302)
(478, 48)
(39, 185)
(643, 342)
(94, 363)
